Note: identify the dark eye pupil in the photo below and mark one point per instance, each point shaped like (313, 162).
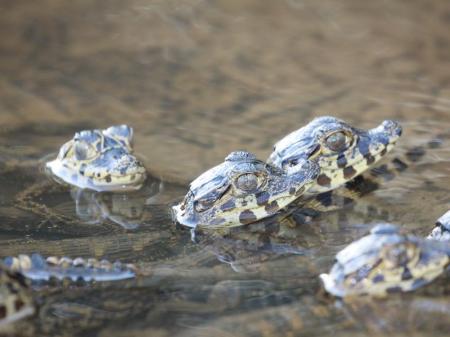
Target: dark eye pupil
(336, 141)
(289, 163)
(247, 182)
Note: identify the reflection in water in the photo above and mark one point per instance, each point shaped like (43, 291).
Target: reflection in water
(125, 209)
(248, 280)
(247, 249)
(162, 68)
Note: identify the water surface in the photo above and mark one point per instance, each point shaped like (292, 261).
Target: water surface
(198, 79)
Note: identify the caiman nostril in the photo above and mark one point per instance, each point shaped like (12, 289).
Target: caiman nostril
(392, 127)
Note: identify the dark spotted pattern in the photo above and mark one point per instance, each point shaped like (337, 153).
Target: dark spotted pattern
(369, 159)
(406, 275)
(349, 172)
(272, 207)
(382, 171)
(325, 198)
(247, 217)
(435, 143)
(342, 161)
(378, 278)
(394, 290)
(262, 198)
(386, 261)
(415, 153)
(399, 165)
(362, 186)
(323, 180)
(229, 205)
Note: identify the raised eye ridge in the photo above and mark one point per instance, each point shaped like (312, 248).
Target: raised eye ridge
(247, 182)
(337, 141)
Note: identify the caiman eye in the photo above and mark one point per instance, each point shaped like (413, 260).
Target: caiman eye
(293, 162)
(337, 141)
(202, 205)
(289, 163)
(248, 182)
(83, 151)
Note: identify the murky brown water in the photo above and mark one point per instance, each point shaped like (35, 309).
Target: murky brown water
(198, 79)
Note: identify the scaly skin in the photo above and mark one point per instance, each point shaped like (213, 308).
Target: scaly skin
(387, 261)
(99, 160)
(240, 191)
(35, 267)
(342, 151)
(91, 207)
(441, 231)
(15, 298)
(251, 254)
(241, 163)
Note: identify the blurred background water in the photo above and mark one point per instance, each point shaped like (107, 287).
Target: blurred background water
(197, 79)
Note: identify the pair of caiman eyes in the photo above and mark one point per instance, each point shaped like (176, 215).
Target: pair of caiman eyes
(247, 183)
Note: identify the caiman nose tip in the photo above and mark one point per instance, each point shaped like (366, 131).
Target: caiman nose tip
(392, 127)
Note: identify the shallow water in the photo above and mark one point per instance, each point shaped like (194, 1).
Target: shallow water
(198, 79)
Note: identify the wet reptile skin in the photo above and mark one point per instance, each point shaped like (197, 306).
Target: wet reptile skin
(360, 62)
(388, 261)
(341, 150)
(240, 258)
(15, 297)
(240, 191)
(315, 152)
(99, 160)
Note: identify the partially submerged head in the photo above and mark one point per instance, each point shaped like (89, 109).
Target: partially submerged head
(341, 150)
(386, 261)
(15, 298)
(240, 191)
(441, 231)
(100, 160)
